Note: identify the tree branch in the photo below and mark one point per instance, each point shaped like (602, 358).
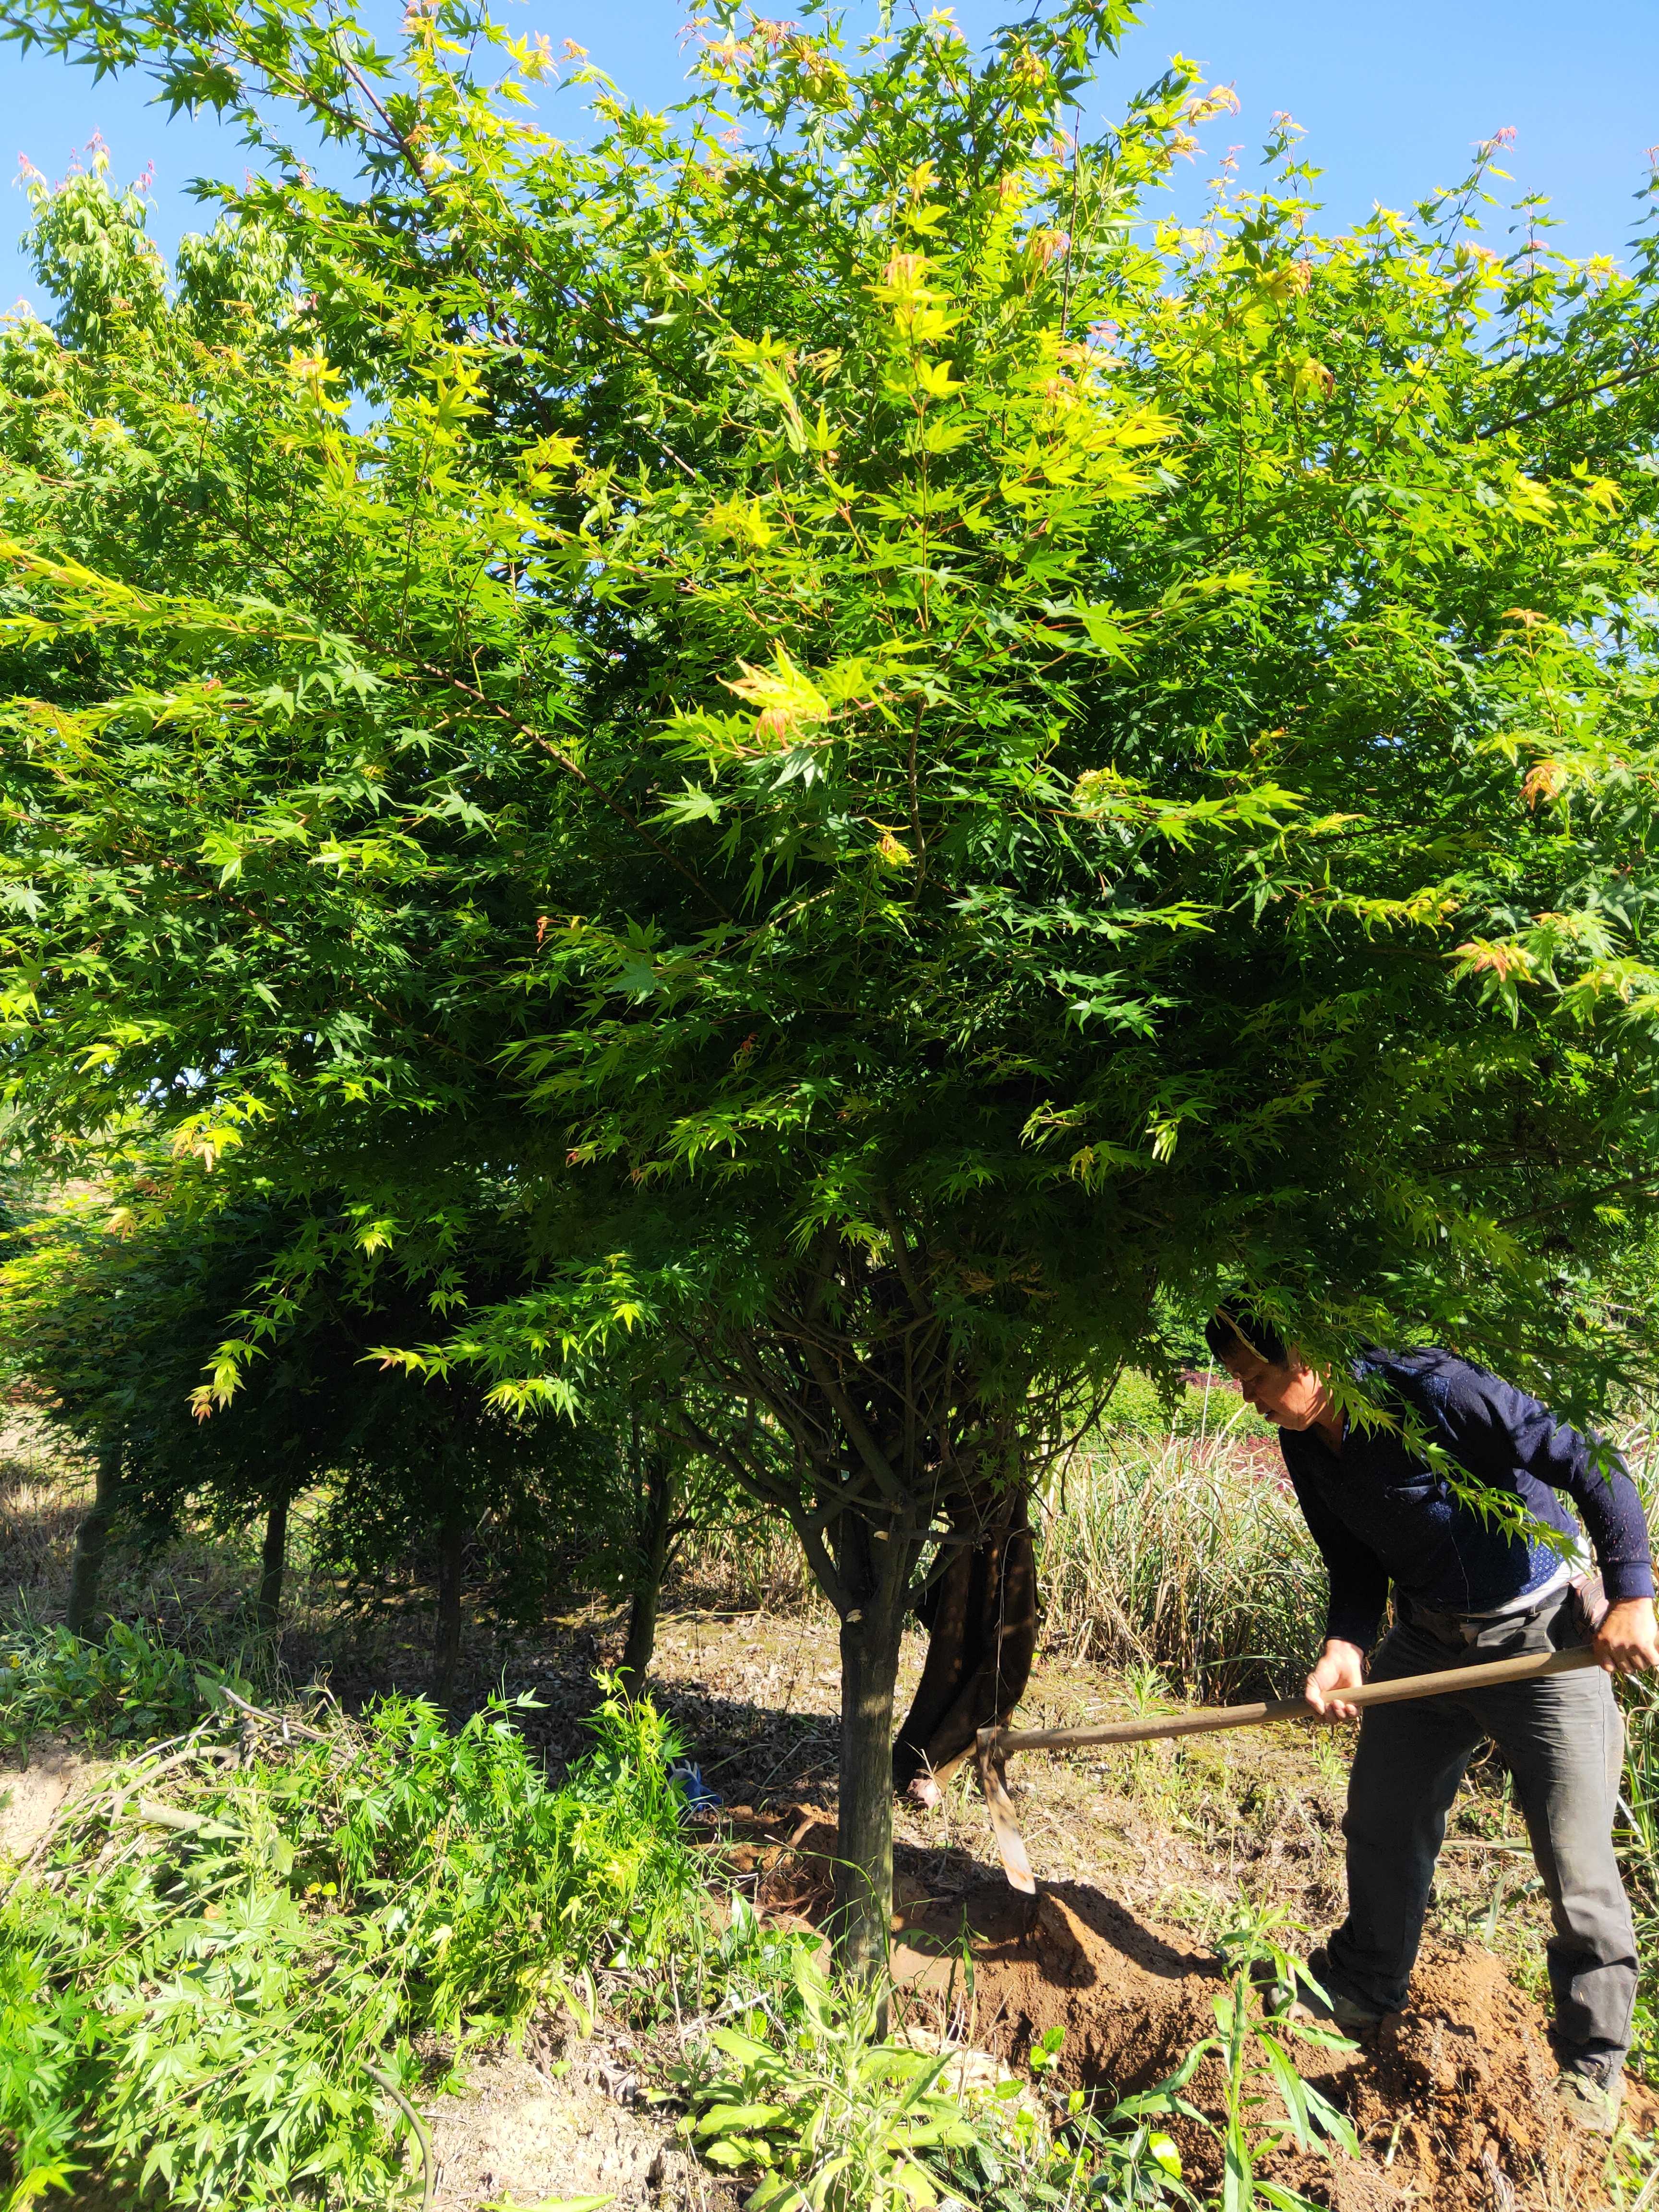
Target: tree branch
(572, 768)
(1634, 374)
(863, 1442)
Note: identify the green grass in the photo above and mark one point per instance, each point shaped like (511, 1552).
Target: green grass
(1637, 1837)
(1138, 1409)
(237, 1965)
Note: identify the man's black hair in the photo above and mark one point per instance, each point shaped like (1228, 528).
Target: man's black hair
(1234, 1325)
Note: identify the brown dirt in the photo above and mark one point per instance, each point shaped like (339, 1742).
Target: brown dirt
(1448, 2094)
(32, 1792)
(526, 2136)
(1450, 2098)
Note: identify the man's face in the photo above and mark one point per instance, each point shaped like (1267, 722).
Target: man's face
(1291, 1397)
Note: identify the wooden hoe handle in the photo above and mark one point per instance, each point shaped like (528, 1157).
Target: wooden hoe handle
(995, 1744)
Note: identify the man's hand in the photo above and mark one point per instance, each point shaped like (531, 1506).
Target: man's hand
(1627, 1641)
(1342, 1667)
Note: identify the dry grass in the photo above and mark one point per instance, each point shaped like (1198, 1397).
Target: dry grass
(196, 1591)
(42, 1498)
(742, 1568)
(1187, 1554)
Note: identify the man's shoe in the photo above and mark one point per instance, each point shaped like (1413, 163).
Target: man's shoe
(1586, 2104)
(1335, 2007)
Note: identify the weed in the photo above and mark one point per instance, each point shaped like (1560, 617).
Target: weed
(1632, 2173)
(1265, 1981)
(746, 1965)
(1637, 1831)
(835, 2118)
(1146, 1771)
(1114, 2157)
(1145, 1690)
(1331, 1751)
(217, 1980)
(126, 1686)
(1639, 1840)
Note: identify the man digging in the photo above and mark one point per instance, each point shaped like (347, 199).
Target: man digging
(1466, 1591)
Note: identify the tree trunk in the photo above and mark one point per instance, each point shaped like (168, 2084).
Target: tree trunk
(874, 1573)
(655, 1498)
(92, 1539)
(273, 1558)
(864, 1854)
(446, 1647)
(981, 1616)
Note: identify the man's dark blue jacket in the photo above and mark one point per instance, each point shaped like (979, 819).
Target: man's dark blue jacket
(1380, 1514)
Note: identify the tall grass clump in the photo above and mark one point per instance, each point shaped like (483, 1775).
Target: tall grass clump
(1638, 1832)
(737, 1567)
(1638, 1840)
(1185, 1551)
(236, 1967)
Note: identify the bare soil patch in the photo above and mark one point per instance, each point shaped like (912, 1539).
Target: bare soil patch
(32, 1793)
(523, 2133)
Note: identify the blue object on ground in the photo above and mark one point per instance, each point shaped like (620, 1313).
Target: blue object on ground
(687, 1780)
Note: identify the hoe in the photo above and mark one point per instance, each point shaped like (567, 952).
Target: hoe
(996, 1743)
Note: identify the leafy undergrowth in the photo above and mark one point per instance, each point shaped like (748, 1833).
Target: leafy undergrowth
(127, 1687)
(228, 1975)
(797, 2085)
(230, 1978)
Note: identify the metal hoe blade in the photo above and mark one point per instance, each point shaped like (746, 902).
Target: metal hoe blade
(1010, 1844)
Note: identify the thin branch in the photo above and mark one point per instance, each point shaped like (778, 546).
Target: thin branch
(428, 2168)
(280, 1721)
(572, 768)
(902, 1257)
(777, 1493)
(1635, 373)
(863, 1442)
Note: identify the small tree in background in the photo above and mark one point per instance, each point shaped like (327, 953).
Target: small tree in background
(114, 1311)
(917, 774)
(103, 1334)
(677, 1486)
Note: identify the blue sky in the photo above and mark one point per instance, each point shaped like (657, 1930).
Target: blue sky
(1392, 94)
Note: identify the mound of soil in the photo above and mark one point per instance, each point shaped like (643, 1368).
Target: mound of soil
(1450, 2098)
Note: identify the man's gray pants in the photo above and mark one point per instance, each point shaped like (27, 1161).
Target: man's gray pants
(1563, 1741)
